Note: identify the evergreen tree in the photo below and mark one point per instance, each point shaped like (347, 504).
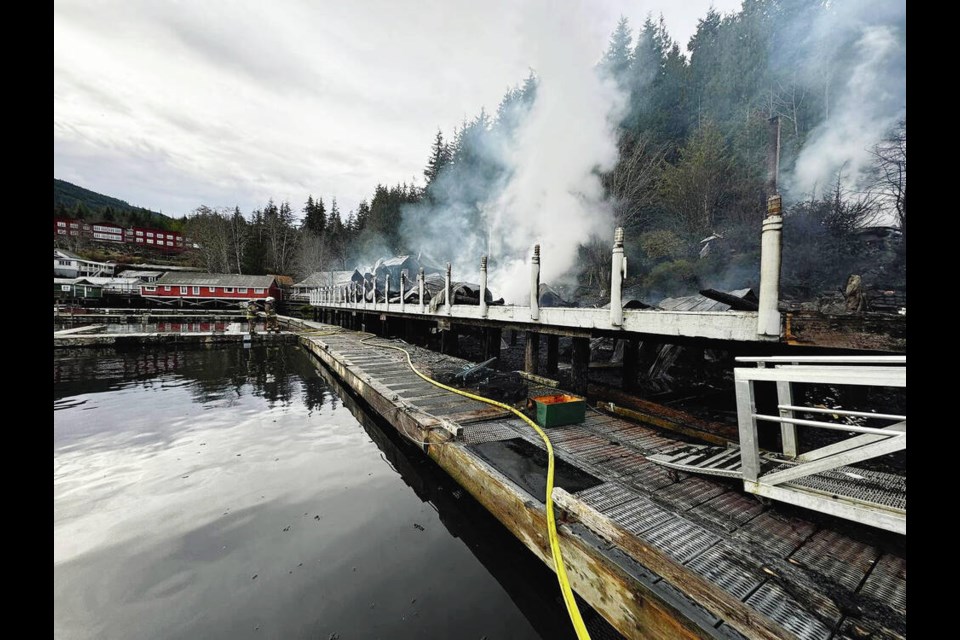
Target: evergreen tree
(315, 216)
(616, 60)
(439, 158)
(363, 216)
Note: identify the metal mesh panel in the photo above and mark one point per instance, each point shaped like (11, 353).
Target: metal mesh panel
(774, 603)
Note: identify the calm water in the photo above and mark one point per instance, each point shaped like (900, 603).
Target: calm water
(232, 493)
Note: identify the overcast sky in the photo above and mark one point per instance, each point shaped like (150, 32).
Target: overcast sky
(170, 105)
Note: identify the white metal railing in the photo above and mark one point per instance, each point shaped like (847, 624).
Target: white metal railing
(866, 443)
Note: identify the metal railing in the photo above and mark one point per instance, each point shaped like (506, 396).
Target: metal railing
(790, 481)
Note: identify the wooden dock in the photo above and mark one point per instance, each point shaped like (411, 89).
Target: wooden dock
(658, 553)
(66, 340)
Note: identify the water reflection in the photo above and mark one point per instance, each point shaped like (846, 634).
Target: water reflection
(224, 493)
(210, 373)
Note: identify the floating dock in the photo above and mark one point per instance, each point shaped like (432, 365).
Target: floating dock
(657, 552)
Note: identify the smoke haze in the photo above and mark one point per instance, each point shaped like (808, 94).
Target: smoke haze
(549, 191)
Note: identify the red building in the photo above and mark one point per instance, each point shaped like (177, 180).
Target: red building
(202, 288)
(69, 227)
(155, 238)
(166, 241)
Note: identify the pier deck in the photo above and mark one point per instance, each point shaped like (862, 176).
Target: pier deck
(657, 552)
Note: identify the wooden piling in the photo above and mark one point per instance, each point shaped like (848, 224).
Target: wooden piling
(580, 365)
(631, 362)
(553, 352)
(491, 343)
(531, 354)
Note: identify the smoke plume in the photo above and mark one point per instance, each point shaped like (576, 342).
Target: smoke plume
(866, 74)
(548, 190)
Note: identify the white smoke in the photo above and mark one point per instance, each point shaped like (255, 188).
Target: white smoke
(872, 99)
(551, 193)
(554, 196)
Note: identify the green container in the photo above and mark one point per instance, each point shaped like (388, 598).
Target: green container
(560, 409)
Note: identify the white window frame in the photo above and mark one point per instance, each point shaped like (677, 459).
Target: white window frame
(166, 288)
(228, 289)
(196, 291)
(242, 290)
(150, 289)
(259, 290)
(212, 289)
(183, 291)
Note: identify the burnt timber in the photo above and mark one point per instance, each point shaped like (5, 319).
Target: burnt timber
(658, 553)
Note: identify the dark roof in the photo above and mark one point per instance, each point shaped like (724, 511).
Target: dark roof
(329, 278)
(700, 303)
(76, 281)
(67, 254)
(167, 267)
(216, 280)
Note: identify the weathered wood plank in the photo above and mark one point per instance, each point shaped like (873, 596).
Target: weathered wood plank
(872, 331)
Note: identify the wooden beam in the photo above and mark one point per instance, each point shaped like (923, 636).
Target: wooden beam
(871, 331)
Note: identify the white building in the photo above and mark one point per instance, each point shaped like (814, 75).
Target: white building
(70, 265)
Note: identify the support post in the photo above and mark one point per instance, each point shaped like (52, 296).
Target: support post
(631, 362)
(449, 341)
(403, 287)
(447, 303)
(580, 365)
(788, 431)
(531, 353)
(491, 343)
(768, 316)
(386, 291)
(374, 289)
(535, 285)
(771, 243)
(553, 352)
(749, 448)
(420, 286)
(483, 289)
(618, 271)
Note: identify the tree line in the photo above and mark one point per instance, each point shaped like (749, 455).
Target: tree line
(688, 186)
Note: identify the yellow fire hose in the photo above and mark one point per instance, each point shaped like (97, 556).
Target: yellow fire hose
(565, 589)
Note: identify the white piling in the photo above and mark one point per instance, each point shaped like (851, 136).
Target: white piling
(535, 283)
(420, 285)
(771, 238)
(618, 271)
(386, 290)
(403, 283)
(483, 287)
(446, 292)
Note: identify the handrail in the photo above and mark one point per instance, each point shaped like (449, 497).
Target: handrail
(786, 482)
(824, 359)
